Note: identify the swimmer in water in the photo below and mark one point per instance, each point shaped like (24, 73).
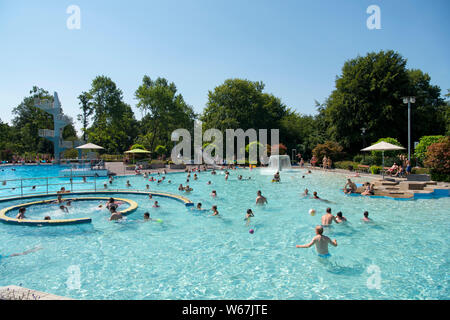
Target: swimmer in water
(147, 187)
(209, 182)
(215, 212)
(188, 189)
(114, 214)
(315, 196)
(180, 187)
(350, 187)
(199, 206)
(366, 217)
(21, 254)
(276, 177)
(128, 183)
(306, 193)
(328, 218)
(213, 193)
(156, 205)
(248, 216)
(21, 214)
(340, 218)
(260, 199)
(47, 218)
(321, 242)
(147, 217)
(112, 202)
(150, 196)
(64, 209)
(58, 200)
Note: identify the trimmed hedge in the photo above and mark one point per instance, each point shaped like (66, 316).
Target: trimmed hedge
(346, 165)
(420, 171)
(440, 177)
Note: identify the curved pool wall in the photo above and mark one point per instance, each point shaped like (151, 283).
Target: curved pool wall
(193, 255)
(4, 218)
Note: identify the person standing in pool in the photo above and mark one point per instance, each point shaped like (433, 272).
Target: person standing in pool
(328, 218)
(321, 242)
(260, 199)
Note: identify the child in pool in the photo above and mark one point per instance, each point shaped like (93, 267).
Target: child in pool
(248, 216)
(21, 214)
(340, 218)
(215, 212)
(366, 217)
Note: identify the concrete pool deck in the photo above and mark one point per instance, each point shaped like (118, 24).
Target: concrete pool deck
(19, 293)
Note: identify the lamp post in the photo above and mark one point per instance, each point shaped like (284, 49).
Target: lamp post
(409, 100)
(363, 131)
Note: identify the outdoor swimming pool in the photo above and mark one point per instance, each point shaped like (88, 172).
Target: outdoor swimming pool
(192, 255)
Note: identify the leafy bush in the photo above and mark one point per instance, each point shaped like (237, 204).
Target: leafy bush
(346, 165)
(112, 157)
(420, 171)
(375, 169)
(440, 177)
(438, 159)
(330, 149)
(70, 154)
(370, 160)
(157, 162)
(358, 158)
(424, 143)
(160, 150)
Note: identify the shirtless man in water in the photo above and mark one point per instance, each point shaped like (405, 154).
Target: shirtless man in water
(321, 243)
(350, 187)
(328, 218)
(260, 199)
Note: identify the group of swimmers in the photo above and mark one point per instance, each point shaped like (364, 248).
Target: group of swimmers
(350, 187)
(321, 241)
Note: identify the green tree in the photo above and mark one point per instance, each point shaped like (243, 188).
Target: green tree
(86, 111)
(369, 94)
(114, 125)
(165, 111)
(242, 104)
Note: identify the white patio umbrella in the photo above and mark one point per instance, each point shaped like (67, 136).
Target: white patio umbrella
(87, 146)
(383, 146)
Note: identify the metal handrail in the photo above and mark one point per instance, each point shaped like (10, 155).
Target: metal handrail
(69, 181)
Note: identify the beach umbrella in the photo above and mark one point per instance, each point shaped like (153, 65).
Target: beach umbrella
(87, 146)
(137, 151)
(383, 146)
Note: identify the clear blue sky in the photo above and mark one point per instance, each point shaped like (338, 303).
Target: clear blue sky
(297, 48)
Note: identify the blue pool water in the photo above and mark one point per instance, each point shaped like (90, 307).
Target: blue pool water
(192, 255)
